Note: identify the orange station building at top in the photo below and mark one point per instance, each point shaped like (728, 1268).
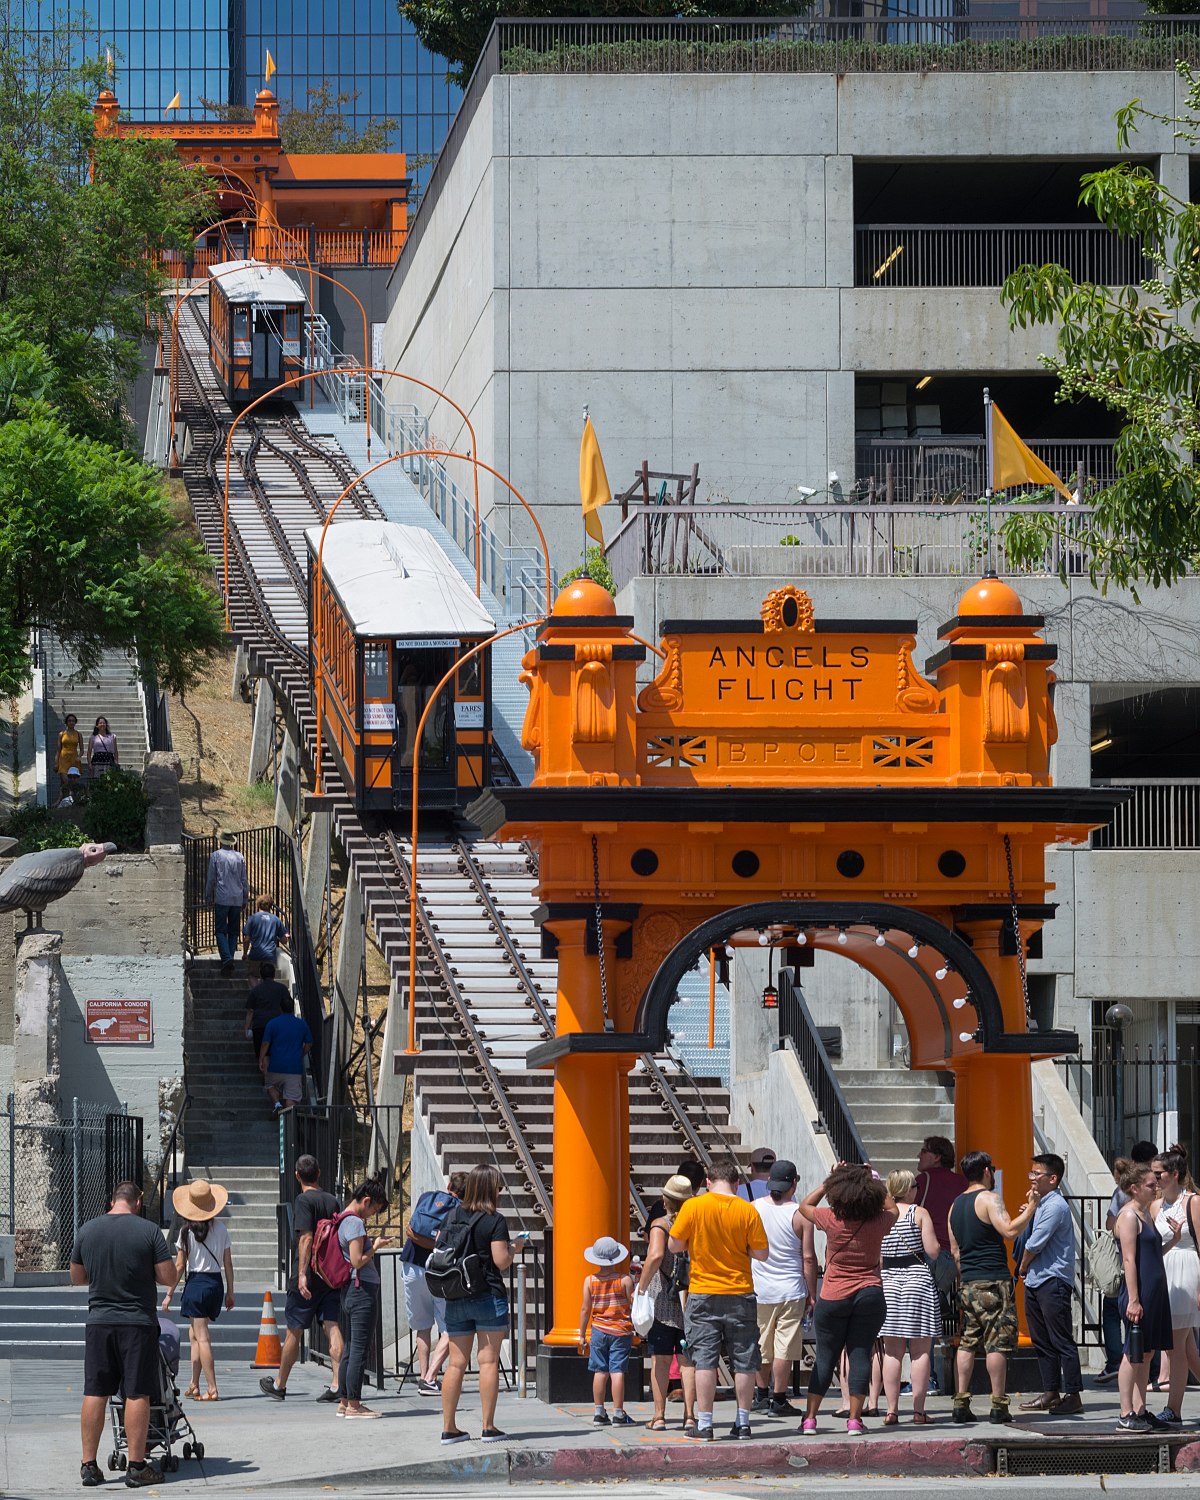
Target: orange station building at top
(339, 209)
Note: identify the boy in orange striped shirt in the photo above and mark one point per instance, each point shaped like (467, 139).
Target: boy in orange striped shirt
(608, 1309)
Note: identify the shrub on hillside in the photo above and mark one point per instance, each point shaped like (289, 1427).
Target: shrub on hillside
(113, 811)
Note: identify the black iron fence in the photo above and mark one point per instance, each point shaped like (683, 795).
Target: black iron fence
(1130, 1094)
(61, 1172)
(797, 1028)
(983, 255)
(269, 861)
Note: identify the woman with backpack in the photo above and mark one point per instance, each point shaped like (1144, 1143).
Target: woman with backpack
(421, 1307)
(204, 1252)
(476, 1244)
(360, 1290)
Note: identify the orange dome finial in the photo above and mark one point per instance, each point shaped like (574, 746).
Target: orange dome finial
(990, 596)
(583, 596)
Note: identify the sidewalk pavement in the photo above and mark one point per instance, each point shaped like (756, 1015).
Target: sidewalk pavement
(253, 1444)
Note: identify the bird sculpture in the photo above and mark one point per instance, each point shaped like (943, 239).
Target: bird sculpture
(33, 881)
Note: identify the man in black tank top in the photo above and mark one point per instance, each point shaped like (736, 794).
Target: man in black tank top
(979, 1228)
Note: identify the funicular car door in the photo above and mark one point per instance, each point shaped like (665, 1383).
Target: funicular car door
(419, 667)
(266, 344)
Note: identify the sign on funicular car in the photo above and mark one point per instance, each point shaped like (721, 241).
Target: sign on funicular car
(120, 1023)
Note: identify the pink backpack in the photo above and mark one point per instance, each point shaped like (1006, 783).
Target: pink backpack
(329, 1260)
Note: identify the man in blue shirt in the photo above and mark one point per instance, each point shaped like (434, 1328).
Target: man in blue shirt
(1048, 1266)
(286, 1042)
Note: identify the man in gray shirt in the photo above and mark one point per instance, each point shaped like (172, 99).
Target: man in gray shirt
(122, 1259)
(228, 888)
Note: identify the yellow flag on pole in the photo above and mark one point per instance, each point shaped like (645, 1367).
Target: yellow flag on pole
(1011, 462)
(111, 68)
(594, 490)
(174, 104)
(271, 69)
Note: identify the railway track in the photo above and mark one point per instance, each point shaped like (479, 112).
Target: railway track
(485, 995)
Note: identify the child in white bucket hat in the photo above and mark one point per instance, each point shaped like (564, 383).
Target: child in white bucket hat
(606, 1327)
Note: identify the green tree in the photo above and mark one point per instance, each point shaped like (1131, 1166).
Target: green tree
(320, 126)
(80, 221)
(1136, 349)
(457, 29)
(89, 545)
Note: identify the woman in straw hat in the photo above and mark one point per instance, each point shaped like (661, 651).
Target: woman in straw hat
(204, 1250)
(661, 1275)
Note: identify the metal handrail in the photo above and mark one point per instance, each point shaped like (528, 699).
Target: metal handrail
(797, 1028)
(169, 1152)
(523, 976)
(493, 1085)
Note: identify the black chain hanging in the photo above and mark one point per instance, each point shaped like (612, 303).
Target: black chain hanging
(608, 1025)
(1016, 927)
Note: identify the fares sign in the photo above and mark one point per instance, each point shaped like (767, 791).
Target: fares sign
(120, 1023)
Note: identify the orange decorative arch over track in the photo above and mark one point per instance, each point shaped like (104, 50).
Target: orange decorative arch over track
(799, 775)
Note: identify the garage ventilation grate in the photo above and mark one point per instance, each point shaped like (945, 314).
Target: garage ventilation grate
(1107, 1458)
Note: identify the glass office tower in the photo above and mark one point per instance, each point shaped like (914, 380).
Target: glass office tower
(216, 49)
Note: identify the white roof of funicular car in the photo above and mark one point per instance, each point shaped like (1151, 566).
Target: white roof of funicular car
(251, 281)
(394, 580)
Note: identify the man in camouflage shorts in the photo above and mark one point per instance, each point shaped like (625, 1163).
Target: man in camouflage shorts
(979, 1227)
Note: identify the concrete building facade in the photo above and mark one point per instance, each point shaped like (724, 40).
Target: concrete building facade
(678, 254)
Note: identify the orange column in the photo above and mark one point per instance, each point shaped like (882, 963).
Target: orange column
(591, 1176)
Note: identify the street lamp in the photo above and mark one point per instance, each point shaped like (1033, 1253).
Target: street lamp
(1118, 1017)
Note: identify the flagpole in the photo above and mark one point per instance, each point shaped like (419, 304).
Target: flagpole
(582, 517)
(991, 474)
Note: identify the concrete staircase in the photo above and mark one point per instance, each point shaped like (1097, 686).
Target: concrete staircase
(230, 1136)
(895, 1110)
(42, 1322)
(114, 692)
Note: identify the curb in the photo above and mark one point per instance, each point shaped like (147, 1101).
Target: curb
(720, 1460)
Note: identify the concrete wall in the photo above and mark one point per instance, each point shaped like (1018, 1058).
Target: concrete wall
(676, 253)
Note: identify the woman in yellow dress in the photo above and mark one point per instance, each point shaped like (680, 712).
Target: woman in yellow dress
(70, 750)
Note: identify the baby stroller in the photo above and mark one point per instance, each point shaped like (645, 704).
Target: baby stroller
(168, 1421)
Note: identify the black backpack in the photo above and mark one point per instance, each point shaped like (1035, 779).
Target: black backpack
(455, 1269)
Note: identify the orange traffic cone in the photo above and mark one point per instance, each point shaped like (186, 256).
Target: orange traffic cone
(269, 1351)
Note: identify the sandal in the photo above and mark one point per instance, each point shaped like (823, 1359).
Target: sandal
(656, 1424)
(192, 1393)
(921, 1418)
(892, 1419)
(210, 1395)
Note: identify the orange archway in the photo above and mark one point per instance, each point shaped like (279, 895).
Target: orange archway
(800, 776)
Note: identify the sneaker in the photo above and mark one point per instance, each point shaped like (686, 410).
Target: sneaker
(455, 1437)
(327, 1395)
(808, 1428)
(1169, 1418)
(601, 1419)
(762, 1398)
(962, 1412)
(1132, 1422)
(740, 1430)
(1106, 1377)
(690, 1430)
(429, 1387)
(1000, 1413)
(137, 1476)
(1153, 1423)
(701, 1434)
(90, 1475)
(781, 1407)
(267, 1386)
(492, 1435)
(622, 1419)
(855, 1428)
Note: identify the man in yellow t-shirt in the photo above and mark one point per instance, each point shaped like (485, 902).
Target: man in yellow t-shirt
(722, 1234)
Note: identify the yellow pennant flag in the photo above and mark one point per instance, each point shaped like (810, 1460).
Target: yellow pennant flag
(1013, 463)
(271, 69)
(174, 104)
(111, 69)
(593, 482)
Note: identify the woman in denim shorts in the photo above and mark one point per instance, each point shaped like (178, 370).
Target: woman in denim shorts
(483, 1318)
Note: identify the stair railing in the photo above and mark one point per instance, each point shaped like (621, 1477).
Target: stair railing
(798, 1030)
(167, 1166)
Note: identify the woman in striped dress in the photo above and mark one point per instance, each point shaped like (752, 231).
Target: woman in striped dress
(914, 1315)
